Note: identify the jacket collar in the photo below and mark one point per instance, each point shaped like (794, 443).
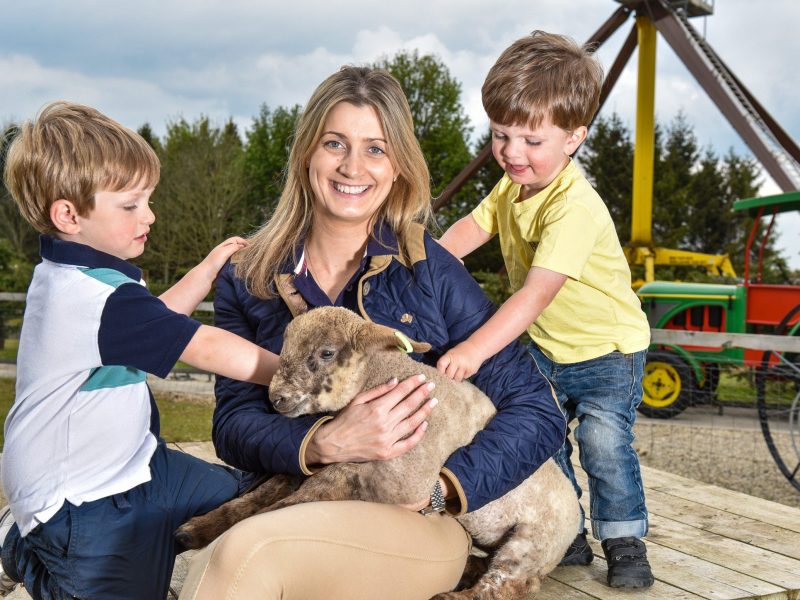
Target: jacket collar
(383, 241)
(81, 255)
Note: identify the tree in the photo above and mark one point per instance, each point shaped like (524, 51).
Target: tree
(265, 157)
(199, 201)
(607, 158)
(440, 124)
(19, 235)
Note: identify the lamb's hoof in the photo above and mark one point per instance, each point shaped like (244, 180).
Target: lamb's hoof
(186, 539)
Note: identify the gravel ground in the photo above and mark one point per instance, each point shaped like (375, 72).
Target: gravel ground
(733, 458)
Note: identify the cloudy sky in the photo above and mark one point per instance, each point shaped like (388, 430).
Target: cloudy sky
(154, 62)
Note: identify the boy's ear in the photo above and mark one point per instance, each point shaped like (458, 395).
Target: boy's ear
(65, 217)
(575, 139)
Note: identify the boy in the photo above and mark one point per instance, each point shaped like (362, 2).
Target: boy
(95, 493)
(572, 284)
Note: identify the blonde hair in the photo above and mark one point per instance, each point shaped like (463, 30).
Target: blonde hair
(71, 152)
(543, 76)
(409, 198)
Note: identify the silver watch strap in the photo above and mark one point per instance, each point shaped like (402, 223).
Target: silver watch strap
(437, 501)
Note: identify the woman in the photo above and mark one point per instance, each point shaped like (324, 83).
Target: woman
(348, 231)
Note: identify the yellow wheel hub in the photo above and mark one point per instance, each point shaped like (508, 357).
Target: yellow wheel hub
(661, 383)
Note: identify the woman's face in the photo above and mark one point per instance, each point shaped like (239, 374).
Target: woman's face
(350, 170)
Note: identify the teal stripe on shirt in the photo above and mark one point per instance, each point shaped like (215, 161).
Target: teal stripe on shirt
(111, 377)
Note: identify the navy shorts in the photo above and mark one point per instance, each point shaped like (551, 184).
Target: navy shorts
(121, 546)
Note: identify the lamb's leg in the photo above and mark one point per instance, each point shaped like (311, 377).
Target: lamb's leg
(341, 481)
(513, 571)
(202, 530)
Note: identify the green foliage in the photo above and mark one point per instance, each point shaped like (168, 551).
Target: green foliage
(200, 199)
(265, 157)
(15, 270)
(440, 123)
(20, 238)
(607, 157)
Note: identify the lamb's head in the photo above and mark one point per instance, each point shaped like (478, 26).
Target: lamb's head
(324, 360)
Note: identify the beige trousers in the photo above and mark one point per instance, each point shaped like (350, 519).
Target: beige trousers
(331, 551)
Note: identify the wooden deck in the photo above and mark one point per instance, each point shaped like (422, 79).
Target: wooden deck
(704, 542)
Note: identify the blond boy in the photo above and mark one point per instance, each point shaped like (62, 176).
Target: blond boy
(94, 491)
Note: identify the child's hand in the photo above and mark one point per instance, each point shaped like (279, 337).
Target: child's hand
(460, 362)
(217, 257)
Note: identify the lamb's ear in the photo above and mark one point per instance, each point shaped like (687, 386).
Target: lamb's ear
(371, 336)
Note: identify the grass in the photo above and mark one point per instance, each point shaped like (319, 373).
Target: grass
(9, 350)
(182, 419)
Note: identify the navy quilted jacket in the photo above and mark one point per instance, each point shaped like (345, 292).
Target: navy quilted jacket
(446, 306)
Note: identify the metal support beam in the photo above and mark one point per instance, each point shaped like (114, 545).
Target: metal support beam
(625, 53)
(643, 157)
(668, 25)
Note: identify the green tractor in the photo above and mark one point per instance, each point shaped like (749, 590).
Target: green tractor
(679, 375)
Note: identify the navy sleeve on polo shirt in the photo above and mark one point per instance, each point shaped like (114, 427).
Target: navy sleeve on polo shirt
(138, 330)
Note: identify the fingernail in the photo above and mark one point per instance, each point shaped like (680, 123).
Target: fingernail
(422, 377)
(434, 402)
(430, 386)
(393, 381)
(424, 425)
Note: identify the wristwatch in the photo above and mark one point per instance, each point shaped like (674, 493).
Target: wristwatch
(437, 501)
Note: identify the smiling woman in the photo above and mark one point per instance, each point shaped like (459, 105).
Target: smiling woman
(349, 231)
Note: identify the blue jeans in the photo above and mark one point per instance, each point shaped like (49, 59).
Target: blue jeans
(602, 394)
(120, 546)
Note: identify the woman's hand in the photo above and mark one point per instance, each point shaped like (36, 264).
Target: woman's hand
(379, 424)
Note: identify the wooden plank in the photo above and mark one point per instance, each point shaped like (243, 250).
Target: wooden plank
(743, 529)
(591, 580)
(737, 503)
(701, 577)
(768, 566)
(555, 590)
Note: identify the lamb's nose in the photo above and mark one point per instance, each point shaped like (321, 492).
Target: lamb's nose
(277, 400)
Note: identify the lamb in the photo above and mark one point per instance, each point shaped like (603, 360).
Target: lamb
(329, 356)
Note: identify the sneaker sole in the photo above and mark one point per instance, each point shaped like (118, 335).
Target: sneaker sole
(631, 583)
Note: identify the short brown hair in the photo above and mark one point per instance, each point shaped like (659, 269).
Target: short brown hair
(70, 151)
(543, 76)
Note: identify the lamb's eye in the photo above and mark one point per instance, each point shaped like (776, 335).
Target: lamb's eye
(326, 354)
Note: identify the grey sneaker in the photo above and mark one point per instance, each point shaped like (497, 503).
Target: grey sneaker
(7, 585)
(578, 553)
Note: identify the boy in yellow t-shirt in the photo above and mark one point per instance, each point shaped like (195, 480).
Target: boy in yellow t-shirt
(571, 282)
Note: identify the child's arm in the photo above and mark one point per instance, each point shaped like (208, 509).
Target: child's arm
(464, 236)
(506, 325)
(218, 351)
(184, 296)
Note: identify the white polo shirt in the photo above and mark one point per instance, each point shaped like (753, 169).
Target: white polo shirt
(84, 425)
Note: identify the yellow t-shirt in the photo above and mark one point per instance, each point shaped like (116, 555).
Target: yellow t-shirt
(567, 228)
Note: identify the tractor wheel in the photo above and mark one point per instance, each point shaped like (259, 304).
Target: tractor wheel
(776, 415)
(668, 385)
